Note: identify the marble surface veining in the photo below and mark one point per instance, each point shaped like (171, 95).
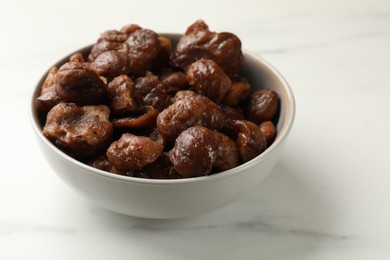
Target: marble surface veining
(327, 198)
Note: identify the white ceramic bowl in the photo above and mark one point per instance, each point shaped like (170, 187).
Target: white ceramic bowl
(164, 199)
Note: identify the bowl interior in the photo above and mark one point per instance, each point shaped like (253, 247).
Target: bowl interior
(256, 70)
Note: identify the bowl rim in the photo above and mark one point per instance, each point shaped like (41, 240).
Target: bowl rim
(280, 138)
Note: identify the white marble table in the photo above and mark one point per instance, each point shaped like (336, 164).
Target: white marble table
(327, 198)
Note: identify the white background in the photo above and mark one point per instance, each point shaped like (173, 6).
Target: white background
(327, 198)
